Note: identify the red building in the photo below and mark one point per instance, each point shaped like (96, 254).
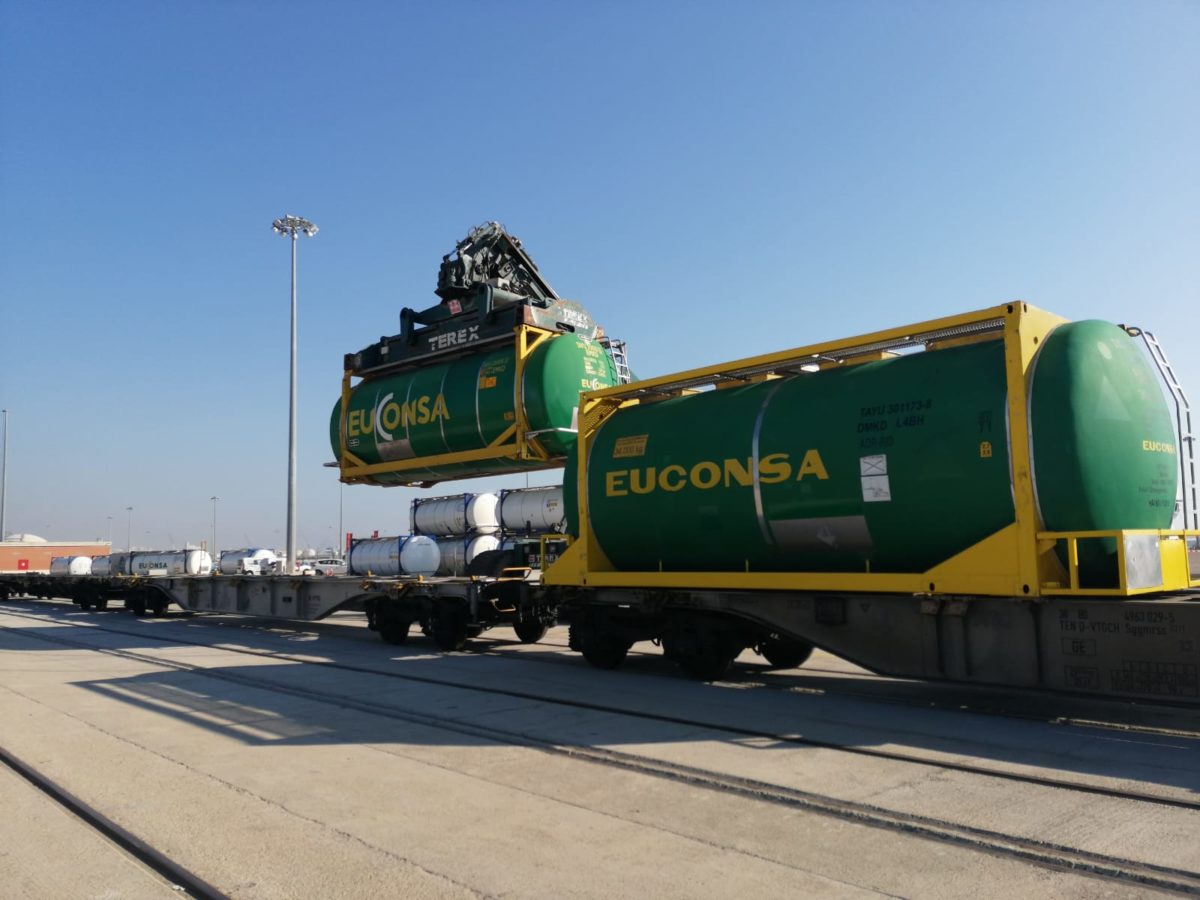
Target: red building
(35, 556)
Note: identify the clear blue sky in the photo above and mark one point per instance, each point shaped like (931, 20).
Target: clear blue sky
(711, 180)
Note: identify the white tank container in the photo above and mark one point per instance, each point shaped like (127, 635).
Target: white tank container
(391, 557)
(102, 565)
(71, 565)
(420, 555)
(533, 510)
(378, 556)
(460, 514)
(172, 562)
(247, 561)
(457, 552)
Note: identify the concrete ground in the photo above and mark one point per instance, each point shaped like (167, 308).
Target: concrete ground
(249, 771)
(46, 852)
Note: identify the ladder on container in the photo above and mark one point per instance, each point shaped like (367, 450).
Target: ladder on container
(616, 349)
(1183, 424)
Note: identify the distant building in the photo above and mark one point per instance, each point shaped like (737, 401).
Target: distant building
(35, 555)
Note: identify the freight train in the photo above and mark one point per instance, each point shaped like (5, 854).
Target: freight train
(998, 497)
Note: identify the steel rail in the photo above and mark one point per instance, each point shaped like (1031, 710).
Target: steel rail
(180, 878)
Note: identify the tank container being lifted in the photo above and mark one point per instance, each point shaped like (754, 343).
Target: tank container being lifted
(71, 565)
(469, 404)
(887, 466)
(391, 557)
(532, 510)
(459, 514)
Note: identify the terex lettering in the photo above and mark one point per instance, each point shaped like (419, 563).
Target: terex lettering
(708, 474)
(454, 338)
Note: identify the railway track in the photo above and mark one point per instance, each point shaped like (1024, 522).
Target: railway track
(1007, 712)
(1128, 872)
(829, 682)
(180, 880)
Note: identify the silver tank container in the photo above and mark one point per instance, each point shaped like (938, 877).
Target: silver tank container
(71, 565)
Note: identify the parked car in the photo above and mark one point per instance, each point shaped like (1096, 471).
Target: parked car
(329, 566)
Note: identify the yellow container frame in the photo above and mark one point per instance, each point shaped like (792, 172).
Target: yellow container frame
(515, 443)
(1017, 561)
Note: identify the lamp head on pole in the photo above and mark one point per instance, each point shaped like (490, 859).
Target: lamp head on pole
(292, 226)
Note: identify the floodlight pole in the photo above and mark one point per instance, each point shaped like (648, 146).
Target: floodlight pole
(4, 476)
(214, 500)
(291, 227)
(129, 530)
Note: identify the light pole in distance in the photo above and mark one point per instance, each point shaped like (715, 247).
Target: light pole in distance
(214, 498)
(129, 530)
(4, 475)
(292, 227)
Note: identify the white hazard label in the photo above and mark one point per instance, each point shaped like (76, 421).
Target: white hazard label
(875, 485)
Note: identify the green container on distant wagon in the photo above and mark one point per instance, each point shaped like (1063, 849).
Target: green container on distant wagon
(469, 404)
(888, 466)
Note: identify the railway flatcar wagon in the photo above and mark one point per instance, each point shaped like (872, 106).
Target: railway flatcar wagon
(986, 497)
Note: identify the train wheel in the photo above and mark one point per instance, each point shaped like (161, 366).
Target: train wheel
(394, 631)
(703, 653)
(85, 605)
(449, 631)
(137, 607)
(785, 654)
(159, 608)
(530, 631)
(102, 605)
(707, 664)
(604, 651)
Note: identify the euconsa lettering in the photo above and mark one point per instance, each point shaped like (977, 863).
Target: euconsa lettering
(708, 474)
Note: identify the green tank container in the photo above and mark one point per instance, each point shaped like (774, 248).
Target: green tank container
(890, 466)
(469, 404)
